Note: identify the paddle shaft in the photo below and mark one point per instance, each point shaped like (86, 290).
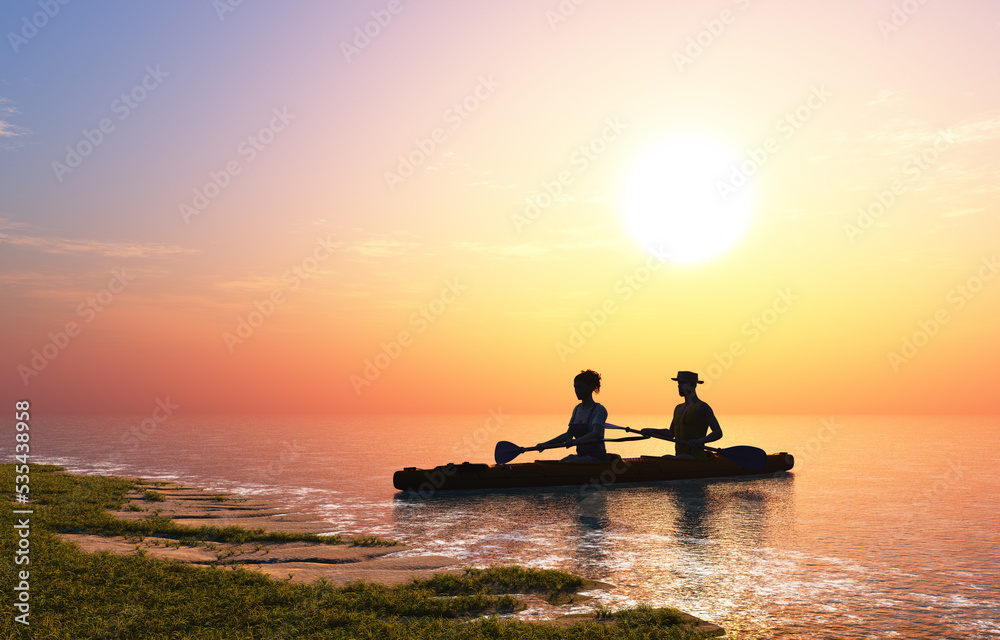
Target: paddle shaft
(507, 451)
(630, 430)
(563, 445)
(749, 457)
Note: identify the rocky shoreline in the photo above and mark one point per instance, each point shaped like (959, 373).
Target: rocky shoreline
(367, 558)
(295, 561)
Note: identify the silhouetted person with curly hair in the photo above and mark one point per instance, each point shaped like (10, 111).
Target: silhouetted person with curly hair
(586, 424)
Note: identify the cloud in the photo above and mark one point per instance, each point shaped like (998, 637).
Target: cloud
(451, 164)
(886, 97)
(378, 247)
(25, 235)
(8, 131)
(979, 131)
(27, 279)
(958, 213)
(523, 250)
(912, 132)
(557, 243)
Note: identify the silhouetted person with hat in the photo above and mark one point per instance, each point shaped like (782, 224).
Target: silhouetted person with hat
(692, 420)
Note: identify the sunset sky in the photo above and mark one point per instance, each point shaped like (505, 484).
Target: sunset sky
(430, 207)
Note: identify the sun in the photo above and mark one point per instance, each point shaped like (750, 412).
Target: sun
(678, 203)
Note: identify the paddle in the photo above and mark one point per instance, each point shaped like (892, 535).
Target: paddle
(507, 451)
(747, 457)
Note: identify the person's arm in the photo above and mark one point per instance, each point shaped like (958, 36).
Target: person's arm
(562, 437)
(658, 433)
(557, 440)
(667, 433)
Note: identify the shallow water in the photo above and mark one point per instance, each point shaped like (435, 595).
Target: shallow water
(886, 527)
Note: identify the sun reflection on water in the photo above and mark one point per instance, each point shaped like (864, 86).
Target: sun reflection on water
(701, 545)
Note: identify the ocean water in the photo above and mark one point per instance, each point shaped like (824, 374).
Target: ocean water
(887, 527)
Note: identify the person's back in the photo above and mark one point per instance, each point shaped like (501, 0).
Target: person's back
(586, 420)
(586, 423)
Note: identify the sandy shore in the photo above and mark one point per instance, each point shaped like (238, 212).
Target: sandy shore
(297, 561)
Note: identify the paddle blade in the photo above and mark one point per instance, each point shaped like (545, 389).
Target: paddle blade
(505, 452)
(747, 457)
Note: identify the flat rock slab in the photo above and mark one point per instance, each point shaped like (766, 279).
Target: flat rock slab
(231, 552)
(196, 507)
(122, 546)
(387, 571)
(303, 561)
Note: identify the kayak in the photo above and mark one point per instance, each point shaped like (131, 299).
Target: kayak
(554, 473)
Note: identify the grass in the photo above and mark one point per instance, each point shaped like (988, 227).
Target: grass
(373, 541)
(102, 595)
(644, 615)
(76, 504)
(556, 587)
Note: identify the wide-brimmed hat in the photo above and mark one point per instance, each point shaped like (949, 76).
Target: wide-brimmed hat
(688, 376)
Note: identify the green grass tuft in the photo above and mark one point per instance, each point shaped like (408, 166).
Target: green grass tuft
(644, 615)
(373, 541)
(508, 579)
